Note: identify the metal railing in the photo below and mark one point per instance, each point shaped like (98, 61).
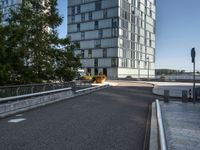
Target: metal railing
(16, 90)
(21, 97)
(162, 139)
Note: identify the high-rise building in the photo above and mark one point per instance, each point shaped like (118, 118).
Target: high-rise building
(117, 37)
(6, 5)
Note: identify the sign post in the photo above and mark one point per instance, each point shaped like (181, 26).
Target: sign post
(193, 55)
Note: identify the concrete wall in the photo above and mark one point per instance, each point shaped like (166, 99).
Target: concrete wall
(32, 102)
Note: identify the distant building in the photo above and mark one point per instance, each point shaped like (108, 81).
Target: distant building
(6, 5)
(117, 37)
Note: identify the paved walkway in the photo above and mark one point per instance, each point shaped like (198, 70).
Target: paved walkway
(182, 125)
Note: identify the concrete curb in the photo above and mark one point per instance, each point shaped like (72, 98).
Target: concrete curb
(154, 141)
(28, 104)
(144, 82)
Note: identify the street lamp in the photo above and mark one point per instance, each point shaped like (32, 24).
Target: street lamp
(193, 55)
(148, 66)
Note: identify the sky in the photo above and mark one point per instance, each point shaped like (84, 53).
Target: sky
(177, 31)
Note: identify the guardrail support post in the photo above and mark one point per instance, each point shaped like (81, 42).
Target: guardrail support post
(17, 91)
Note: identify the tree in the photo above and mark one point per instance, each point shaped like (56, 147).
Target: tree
(32, 38)
(4, 57)
(66, 62)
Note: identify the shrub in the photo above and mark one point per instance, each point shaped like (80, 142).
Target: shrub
(99, 79)
(87, 78)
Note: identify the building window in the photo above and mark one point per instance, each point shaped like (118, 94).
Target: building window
(98, 5)
(150, 43)
(78, 27)
(82, 17)
(151, 14)
(96, 62)
(73, 10)
(95, 71)
(89, 71)
(132, 64)
(100, 33)
(114, 32)
(96, 26)
(114, 22)
(125, 15)
(138, 39)
(90, 16)
(105, 14)
(105, 71)
(82, 53)
(97, 43)
(78, 9)
(73, 19)
(114, 62)
(82, 35)
(104, 52)
(82, 1)
(90, 53)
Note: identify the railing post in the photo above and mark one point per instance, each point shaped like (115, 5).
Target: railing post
(44, 87)
(32, 88)
(17, 91)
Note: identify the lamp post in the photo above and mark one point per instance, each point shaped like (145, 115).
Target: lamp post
(193, 55)
(148, 66)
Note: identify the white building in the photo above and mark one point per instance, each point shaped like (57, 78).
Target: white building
(117, 37)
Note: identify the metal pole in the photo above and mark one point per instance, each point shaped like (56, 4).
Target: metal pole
(193, 54)
(194, 95)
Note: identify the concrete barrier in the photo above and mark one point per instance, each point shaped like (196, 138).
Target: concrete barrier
(29, 101)
(12, 105)
(154, 140)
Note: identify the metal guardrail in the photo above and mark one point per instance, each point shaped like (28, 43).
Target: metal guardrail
(87, 89)
(90, 89)
(162, 139)
(16, 90)
(21, 97)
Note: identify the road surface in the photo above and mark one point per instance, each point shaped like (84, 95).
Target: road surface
(109, 119)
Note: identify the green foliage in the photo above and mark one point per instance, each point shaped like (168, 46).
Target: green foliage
(4, 56)
(30, 49)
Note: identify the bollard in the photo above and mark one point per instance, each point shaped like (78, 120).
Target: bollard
(184, 96)
(190, 95)
(196, 93)
(166, 96)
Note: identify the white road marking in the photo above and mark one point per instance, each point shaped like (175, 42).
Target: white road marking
(19, 115)
(16, 120)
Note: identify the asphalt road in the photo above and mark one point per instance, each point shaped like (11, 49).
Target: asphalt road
(110, 119)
